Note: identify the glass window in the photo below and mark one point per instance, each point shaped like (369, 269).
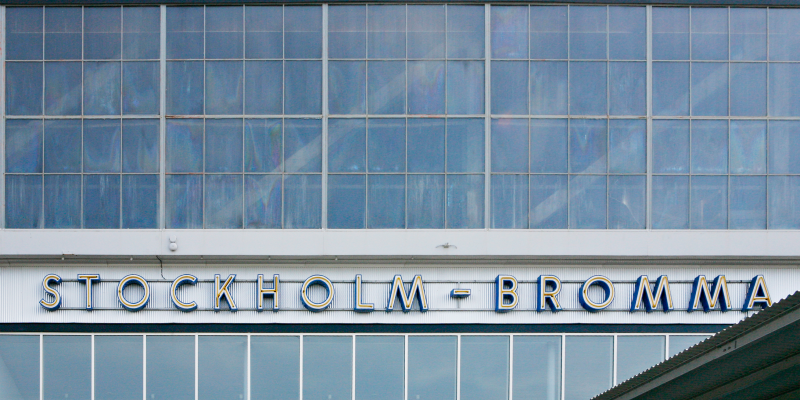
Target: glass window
(709, 33)
(548, 201)
(670, 33)
(510, 201)
(380, 370)
(327, 367)
(709, 147)
(748, 202)
(67, 367)
(510, 87)
(748, 35)
(670, 88)
(386, 31)
(347, 87)
(627, 33)
(24, 33)
(670, 202)
(432, 367)
(274, 367)
(19, 367)
(587, 207)
(548, 88)
(185, 32)
(626, 93)
(302, 201)
(347, 31)
(426, 91)
(224, 32)
(679, 343)
(425, 201)
(263, 32)
(709, 89)
(223, 87)
(588, 369)
(141, 32)
(62, 33)
(102, 37)
(670, 146)
(386, 201)
(23, 146)
(24, 86)
(537, 367)
(784, 195)
(101, 204)
(748, 147)
(170, 367)
(784, 40)
(347, 201)
(748, 89)
(636, 354)
(509, 32)
(484, 367)
(303, 31)
(118, 368)
(549, 145)
(509, 145)
(24, 202)
(784, 82)
(588, 37)
(262, 199)
(587, 88)
(221, 363)
(465, 31)
(626, 202)
(140, 88)
(465, 201)
(588, 143)
(548, 32)
(426, 31)
(223, 201)
(709, 202)
(627, 142)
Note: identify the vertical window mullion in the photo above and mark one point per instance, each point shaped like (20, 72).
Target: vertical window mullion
(487, 168)
(324, 180)
(649, 111)
(162, 118)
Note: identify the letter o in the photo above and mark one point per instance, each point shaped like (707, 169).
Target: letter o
(133, 279)
(608, 288)
(317, 280)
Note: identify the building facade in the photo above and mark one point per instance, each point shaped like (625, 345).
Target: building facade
(387, 201)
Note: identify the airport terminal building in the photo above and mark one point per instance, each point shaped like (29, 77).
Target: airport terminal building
(387, 201)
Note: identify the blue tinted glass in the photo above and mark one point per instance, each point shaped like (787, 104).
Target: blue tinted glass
(275, 367)
(303, 80)
(222, 367)
(588, 366)
(171, 367)
(62, 88)
(224, 32)
(587, 205)
(465, 31)
(627, 85)
(587, 88)
(671, 146)
(425, 200)
(548, 29)
(24, 33)
(709, 89)
(102, 36)
(303, 141)
(140, 147)
(263, 144)
(465, 201)
(784, 39)
(784, 145)
(426, 145)
(709, 202)
(62, 146)
(670, 202)
(386, 31)
(510, 32)
(784, 197)
(534, 358)
(709, 33)
(224, 87)
(465, 145)
(141, 32)
(223, 202)
(329, 359)
(262, 201)
(347, 200)
(24, 201)
(263, 31)
(627, 36)
(510, 201)
(184, 201)
(101, 204)
(347, 87)
(386, 145)
(386, 201)
(140, 201)
(303, 31)
(140, 88)
(386, 87)
(185, 145)
(588, 143)
(223, 145)
(748, 33)
(302, 202)
(24, 88)
(709, 147)
(587, 32)
(432, 367)
(626, 205)
(101, 145)
(347, 147)
(510, 87)
(484, 367)
(62, 33)
(426, 31)
(748, 147)
(67, 367)
(23, 146)
(426, 87)
(748, 202)
(380, 369)
(62, 201)
(628, 146)
(670, 33)
(748, 89)
(465, 87)
(548, 202)
(549, 147)
(549, 83)
(184, 32)
(347, 31)
(20, 354)
(185, 87)
(509, 145)
(784, 83)
(263, 87)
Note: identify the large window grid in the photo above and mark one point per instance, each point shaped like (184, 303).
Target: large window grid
(343, 366)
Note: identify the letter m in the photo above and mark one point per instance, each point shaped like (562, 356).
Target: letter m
(407, 300)
(643, 296)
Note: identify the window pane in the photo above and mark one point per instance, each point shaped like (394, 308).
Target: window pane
(548, 145)
(62, 88)
(67, 367)
(387, 87)
(223, 145)
(184, 198)
(709, 33)
(432, 367)
(748, 89)
(784, 83)
(327, 367)
(465, 200)
(24, 201)
(221, 372)
(23, 146)
(62, 33)
(709, 89)
(671, 146)
(184, 32)
(510, 87)
(426, 87)
(465, 31)
(24, 33)
(626, 204)
(19, 363)
(140, 82)
(628, 142)
(386, 145)
(426, 145)
(510, 201)
(709, 147)
(170, 367)
(224, 32)
(748, 33)
(587, 88)
(263, 34)
(224, 87)
(484, 367)
(101, 145)
(670, 33)
(386, 202)
(587, 39)
(118, 367)
(548, 202)
(784, 202)
(588, 144)
(275, 367)
(140, 145)
(679, 343)
(426, 36)
(638, 353)
(748, 202)
(263, 87)
(185, 145)
(347, 201)
(141, 32)
(62, 146)
(347, 31)
(670, 203)
(379, 367)
(140, 195)
(303, 31)
(262, 199)
(24, 88)
(510, 32)
(347, 147)
(587, 208)
(709, 202)
(784, 39)
(223, 201)
(748, 147)
(102, 33)
(465, 145)
(537, 367)
(670, 88)
(303, 87)
(548, 32)
(784, 144)
(184, 87)
(627, 88)
(101, 201)
(425, 199)
(589, 361)
(347, 87)
(302, 202)
(303, 141)
(509, 145)
(549, 83)
(386, 31)
(627, 34)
